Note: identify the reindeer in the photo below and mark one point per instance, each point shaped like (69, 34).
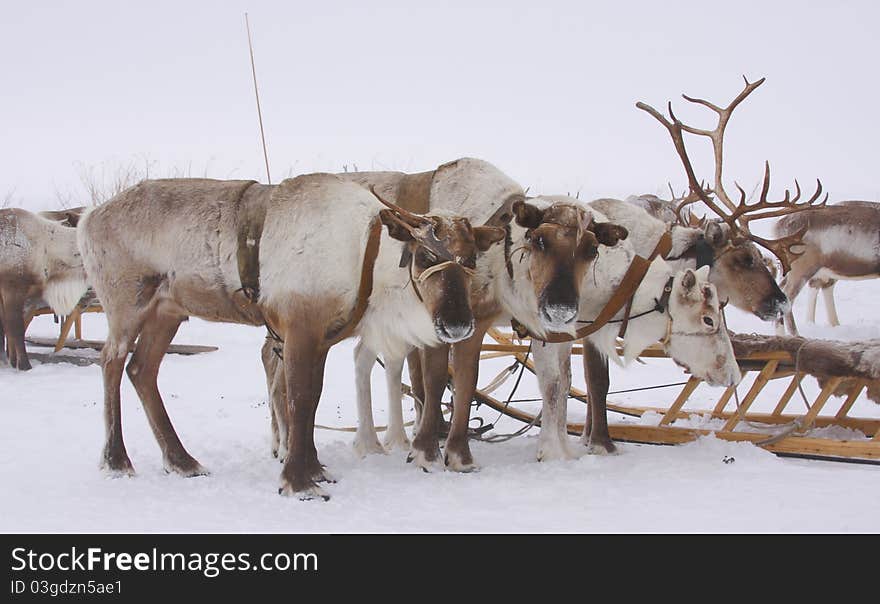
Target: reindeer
(308, 258)
(558, 242)
(39, 260)
(530, 241)
(741, 274)
(695, 293)
(840, 241)
(68, 217)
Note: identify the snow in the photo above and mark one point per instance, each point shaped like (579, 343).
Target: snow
(51, 427)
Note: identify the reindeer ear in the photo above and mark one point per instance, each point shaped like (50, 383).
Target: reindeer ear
(716, 234)
(485, 236)
(688, 280)
(395, 229)
(702, 273)
(589, 245)
(527, 215)
(609, 234)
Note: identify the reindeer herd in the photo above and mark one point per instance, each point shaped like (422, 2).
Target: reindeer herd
(418, 267)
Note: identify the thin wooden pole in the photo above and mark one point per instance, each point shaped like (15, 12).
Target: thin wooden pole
(257, 95)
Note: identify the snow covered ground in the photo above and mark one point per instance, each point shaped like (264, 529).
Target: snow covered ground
(51, 430)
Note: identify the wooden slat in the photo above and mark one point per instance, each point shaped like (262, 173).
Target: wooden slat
(798, 445)
(682, 398)
(758, 385)
(830, 386)
(786, 396)
(723, 400)
(98, 345)
(854, 393)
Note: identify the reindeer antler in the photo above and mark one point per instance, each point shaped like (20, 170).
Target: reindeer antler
(736, 215)
(420, 227)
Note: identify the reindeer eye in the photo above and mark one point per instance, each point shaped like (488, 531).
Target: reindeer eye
(429, 256)
(539, 242)
(708, 321)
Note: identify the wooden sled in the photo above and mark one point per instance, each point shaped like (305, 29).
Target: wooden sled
(89, 304)
(789, 434)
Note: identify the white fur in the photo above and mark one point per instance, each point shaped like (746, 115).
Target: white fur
(47, 250)
(849, 239)
(552, 361)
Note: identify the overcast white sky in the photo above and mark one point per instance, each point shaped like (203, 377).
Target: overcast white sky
(544, 89)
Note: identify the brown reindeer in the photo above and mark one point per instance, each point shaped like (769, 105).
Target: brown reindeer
(737, 268)
(308, 257)
(39, 263)
(840, 241)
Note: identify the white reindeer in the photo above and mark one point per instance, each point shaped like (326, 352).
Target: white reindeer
(300, 256)
(39, 261)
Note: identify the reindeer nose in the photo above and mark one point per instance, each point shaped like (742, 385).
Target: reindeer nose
(774, 307)
(558, 315)
(452, 333)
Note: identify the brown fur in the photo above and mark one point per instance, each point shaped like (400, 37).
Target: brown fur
(860, 218)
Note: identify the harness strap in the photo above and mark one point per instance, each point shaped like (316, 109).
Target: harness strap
(633, 277)
(252, 216)
(365, 290)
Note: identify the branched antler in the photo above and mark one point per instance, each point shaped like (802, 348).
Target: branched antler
(420, 227)
(737, 215)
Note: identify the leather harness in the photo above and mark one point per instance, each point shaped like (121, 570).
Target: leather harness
(623, 295)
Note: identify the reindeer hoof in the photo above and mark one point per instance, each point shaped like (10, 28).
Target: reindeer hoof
(325, 476)
(116, 465)
(555, 453)
(118, 472)
(367, 446)
(601, 448)
(456, 464)
(398, 442)
(308, 493)
(186, 466)
(428, 462)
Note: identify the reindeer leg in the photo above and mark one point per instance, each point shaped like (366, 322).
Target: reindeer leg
(304, 358)
(143, 369)
(274, 371)
(395, 434)
(799, 275)
(13, 323)
(417, 381)
(4, 359)
(811, 303)
(597, 440)
(114, 458)
(365, 439)
(425, 452)
(553, 368)
(830, 309)
(466, 364)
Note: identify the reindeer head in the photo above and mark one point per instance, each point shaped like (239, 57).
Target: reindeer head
(440, 252)
(561, 241)
(697, 338)
(738, 270)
